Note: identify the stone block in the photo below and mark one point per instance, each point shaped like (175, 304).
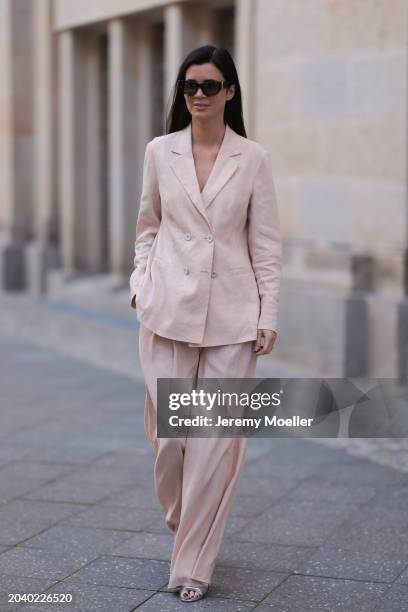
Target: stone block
(277, 92)
(375, 86)
(324, 92)
(373, 149)
(312, 327)
(38, 260)
(291, 30)
(383, 343)
(296, 149)
(12, 272)
(366, 25)
(378, 211)
(323, 210)
(402, 341)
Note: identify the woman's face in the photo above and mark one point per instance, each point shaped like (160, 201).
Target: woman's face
(210, 106)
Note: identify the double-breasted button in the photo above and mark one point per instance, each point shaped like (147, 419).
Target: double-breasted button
(187, 236)
(210, 238)
(213, 274)
(186, 271)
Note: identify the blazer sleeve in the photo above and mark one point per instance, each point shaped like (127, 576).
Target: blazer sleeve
(148, 221)
(264, 242)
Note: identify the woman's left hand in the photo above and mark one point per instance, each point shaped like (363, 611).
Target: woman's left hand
(265, 341)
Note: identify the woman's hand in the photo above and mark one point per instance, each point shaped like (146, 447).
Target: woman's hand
(265, 341)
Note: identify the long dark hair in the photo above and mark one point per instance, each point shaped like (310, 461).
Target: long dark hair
(179, 116)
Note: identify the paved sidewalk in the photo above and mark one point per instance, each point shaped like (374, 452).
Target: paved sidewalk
(313, 528)
(90, 319)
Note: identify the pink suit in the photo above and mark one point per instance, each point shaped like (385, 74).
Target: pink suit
(206, 276)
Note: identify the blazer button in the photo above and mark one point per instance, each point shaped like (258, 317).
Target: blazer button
(186, 271)
(209, 238)
(213, 274)
(188, 236)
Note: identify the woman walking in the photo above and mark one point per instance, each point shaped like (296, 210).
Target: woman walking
(205, 284)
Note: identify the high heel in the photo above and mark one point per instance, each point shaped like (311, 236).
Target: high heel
(199, 592)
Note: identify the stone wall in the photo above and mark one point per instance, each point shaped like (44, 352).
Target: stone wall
(330, 101)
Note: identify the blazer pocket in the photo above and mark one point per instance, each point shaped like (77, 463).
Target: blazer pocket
(241, 270)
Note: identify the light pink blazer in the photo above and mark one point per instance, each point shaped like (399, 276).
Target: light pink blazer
(207, 265)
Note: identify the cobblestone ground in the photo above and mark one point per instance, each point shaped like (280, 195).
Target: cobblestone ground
(316, 526)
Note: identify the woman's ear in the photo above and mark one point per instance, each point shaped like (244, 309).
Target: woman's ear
(231, 92)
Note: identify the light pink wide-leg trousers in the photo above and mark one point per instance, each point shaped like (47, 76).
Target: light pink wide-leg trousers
(196, 479)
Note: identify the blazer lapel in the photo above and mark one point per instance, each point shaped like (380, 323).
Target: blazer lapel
(222, 171)
(224, 167)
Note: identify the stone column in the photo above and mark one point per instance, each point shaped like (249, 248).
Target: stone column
(7, 124)
(94, 181)
(42, 252)
(73, 151)
(173, 48)
(81, 155)
(44, 91)
(16, 139)
(130, 121)
(180, 37)
(245, 59)
(185, 28)
(67, 150)
(204, 22)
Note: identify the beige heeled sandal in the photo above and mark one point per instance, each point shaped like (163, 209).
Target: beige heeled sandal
(199, 592)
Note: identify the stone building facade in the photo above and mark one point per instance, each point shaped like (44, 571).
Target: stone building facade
(84, 86)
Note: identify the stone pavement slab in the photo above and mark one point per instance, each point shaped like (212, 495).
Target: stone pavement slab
(373, 531)
(89, 597)
(19, 585)
(277, 558)
(339, 563)
(394, 600)
(297, 522)
(109, 570)
(146, 545)
(111, 517)
(75, 492)
(245, 583)
(315, 594)
(64, 538)
(43, 563)
(41, 512)
(168, 602)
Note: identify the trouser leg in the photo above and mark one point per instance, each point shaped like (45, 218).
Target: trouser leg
(212, 471)
(165, 358)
